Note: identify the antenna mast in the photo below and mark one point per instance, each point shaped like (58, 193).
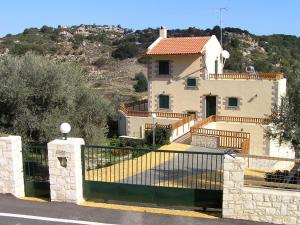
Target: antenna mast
(221, 20)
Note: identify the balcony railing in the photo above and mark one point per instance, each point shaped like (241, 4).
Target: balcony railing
(247, 76)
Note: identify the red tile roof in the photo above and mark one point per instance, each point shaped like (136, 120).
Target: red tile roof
(179, 46)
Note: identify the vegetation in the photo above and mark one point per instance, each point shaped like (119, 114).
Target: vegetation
(37, 95)
(162, 136)
(286, 117)
(124, 51)
(141, 84)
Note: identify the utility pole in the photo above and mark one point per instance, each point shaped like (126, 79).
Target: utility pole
(221, 20)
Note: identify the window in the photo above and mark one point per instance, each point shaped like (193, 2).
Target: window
(191, 113)
(191, 82)
(164, 67)
(164, 102)
(232, 102)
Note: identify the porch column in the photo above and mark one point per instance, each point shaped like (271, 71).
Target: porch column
(65, 173)
(11, 166)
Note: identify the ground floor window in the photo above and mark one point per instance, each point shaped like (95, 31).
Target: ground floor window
(164, 101)
(233, 102)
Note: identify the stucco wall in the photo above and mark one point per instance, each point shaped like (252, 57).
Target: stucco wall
(213, 50)
(255, 203)
(256, 97)
(136, 125)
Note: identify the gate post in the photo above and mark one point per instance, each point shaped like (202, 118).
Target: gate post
(65, 173)
(11, 166)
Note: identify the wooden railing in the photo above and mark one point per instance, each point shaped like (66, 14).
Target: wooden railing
(126, 108)
(141, 105)
(242, 119)
(215, 118)
(173, 126)
(183, 121)
(247, 76)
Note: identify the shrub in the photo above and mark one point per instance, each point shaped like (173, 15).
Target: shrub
(46, 29)
(141, 84)
(162, 136)
(124, 51)
(99, 62)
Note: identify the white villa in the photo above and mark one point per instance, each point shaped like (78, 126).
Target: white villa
(189, 93)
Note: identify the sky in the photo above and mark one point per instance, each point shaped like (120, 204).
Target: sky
(257, 16)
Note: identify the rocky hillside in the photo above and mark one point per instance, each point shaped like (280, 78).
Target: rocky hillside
(112, 55)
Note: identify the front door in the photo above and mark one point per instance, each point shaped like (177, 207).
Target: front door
(210, 104)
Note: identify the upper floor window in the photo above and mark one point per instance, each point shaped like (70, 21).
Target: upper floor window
(164, 67)
(164, 101)
(191, 82)
(233, 102)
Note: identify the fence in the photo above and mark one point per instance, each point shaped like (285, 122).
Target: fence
(139, 109)
(272, 172)
(36, 171)
(194, 170)
(247, 76)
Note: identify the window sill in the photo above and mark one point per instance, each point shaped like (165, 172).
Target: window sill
(191, 88)
(232, 108)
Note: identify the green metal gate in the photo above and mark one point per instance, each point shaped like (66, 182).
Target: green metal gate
(36, 171)
(160, 177)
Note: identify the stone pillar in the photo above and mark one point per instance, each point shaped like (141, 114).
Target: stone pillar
(65, 171)
(233, 184)
(11, 166)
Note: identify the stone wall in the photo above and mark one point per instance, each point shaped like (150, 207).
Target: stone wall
(11, 166)
(205, 141)
(65, 170)
(256, 203)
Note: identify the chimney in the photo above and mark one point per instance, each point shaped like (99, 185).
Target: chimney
(162, 32)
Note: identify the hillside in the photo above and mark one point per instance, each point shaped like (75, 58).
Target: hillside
(112, 55)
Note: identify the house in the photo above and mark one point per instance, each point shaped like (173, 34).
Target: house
(185, 77)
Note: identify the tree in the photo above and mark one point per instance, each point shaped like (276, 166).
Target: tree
(141, 84)
(37, 95)
(124, 51)
(286, 117)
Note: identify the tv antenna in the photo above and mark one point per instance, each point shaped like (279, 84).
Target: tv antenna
(221, 10)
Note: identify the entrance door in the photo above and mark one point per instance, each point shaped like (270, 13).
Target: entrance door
(210, 104)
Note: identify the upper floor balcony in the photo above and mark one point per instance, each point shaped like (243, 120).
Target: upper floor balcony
(246, 76)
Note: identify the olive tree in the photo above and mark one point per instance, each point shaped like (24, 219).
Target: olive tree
(38, 94)
(286, 117)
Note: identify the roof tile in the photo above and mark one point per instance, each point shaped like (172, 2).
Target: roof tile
(179, 46)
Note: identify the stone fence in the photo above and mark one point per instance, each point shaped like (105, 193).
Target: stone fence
(278, 206)
(65, 169)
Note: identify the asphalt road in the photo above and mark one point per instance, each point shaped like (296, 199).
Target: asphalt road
(13, 211)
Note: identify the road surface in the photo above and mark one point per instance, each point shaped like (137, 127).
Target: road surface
(19, 212)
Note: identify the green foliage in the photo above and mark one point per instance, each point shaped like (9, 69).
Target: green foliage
(100, 62)
(286, 117)
(162, 136)
(124, 51)
(126, 142)
(77, 40)
(37, 95)
(46, 29)
(141, 84)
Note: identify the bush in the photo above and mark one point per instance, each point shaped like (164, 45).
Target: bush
(127, 142)
(46, 29)
(162, 136)
(100, 62)
(127, 50)
(141, 84)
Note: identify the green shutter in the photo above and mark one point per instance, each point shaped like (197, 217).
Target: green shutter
(164, 101)
(233, 102)
(216, 66)
(191, 82)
